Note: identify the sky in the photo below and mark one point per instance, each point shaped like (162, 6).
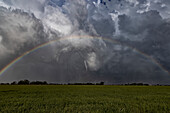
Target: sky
(115, 41)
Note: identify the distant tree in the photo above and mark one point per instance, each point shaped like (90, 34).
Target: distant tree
(97, 83)
(45, 83)
(80, 84)
(138, 84)
(14, 83)
(4, 83)
(101, 83)
(38, 83)
(24, 82)
(90, 84)
(146, 84)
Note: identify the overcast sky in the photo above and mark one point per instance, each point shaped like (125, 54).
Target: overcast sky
(140, 27)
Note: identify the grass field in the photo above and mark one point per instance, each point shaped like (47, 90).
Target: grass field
(84, 99)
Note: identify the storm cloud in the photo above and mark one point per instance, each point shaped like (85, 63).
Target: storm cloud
(134, 46)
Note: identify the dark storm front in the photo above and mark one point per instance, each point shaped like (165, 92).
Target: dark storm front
(140, 28)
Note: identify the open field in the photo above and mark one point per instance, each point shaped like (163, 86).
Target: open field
(84, 99)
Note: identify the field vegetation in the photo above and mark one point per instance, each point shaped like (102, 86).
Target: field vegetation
(84, 99)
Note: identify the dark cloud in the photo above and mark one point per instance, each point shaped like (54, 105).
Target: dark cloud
(140, 22)
(143, 25)
(112, 64)
(151, 33)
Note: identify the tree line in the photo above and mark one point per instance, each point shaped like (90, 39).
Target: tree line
(27, 82)
(137, 84)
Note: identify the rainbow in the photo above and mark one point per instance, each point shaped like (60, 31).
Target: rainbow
(16, 60)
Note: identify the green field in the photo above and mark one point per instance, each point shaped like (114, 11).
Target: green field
(84, 99)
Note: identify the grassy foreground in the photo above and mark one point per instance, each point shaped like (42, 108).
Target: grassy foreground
(84, 99)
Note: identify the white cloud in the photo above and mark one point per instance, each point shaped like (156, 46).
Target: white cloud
(18, 29)
(33, 6)
(93, 62)
(55, 20)
(0, 38)
(3, 4)
(135, 2)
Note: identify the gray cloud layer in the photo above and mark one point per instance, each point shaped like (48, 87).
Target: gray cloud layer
(142, 24)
